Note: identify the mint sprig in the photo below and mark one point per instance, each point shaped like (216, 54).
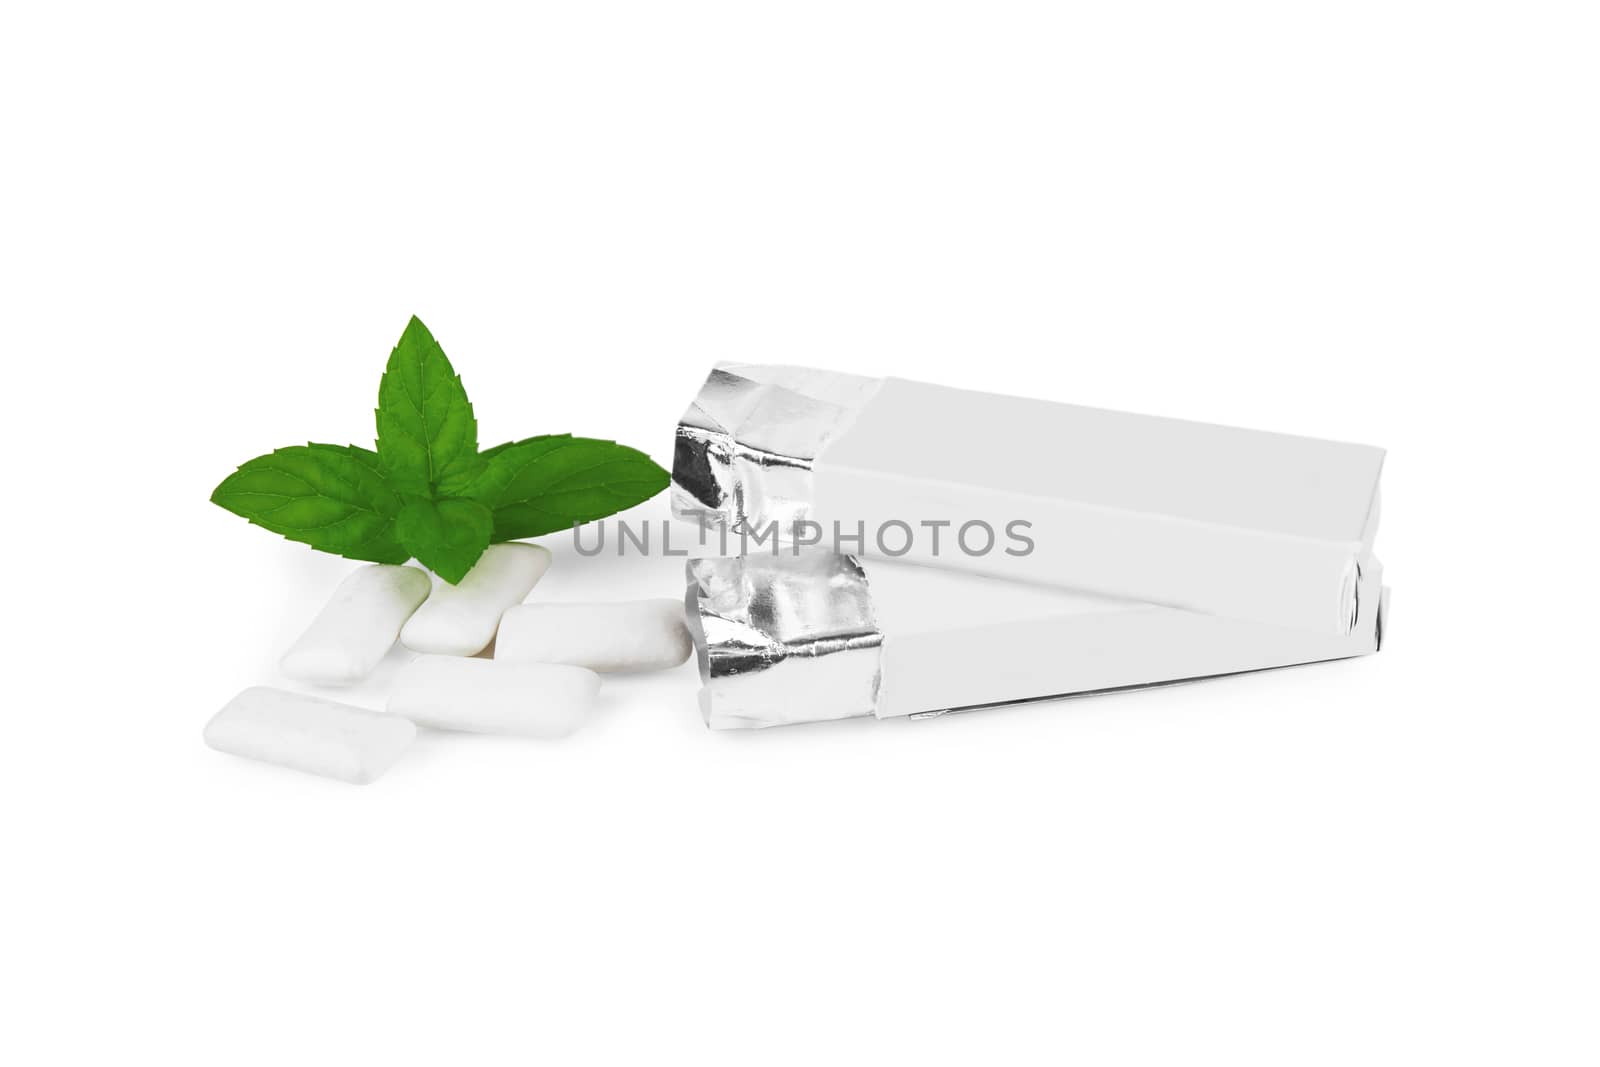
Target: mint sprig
(428, 493)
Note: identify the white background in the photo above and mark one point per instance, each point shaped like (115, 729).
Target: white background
(1369, 221)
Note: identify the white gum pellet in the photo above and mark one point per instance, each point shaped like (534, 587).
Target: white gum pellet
(358, 626)
(634, 635)
(461, 619)
(487, 697)
(310, 734)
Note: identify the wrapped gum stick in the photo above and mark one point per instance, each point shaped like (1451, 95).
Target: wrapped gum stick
(787, 639)
(1244, 524)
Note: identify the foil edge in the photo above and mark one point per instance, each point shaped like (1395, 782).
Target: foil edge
(784, 640)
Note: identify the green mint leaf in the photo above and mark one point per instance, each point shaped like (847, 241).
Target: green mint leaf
(446, 536)
(543, 484)
(331, 497)
(427, 434)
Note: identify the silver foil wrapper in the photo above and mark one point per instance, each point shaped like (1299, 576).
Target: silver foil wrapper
(744, 450)
(783, 640)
